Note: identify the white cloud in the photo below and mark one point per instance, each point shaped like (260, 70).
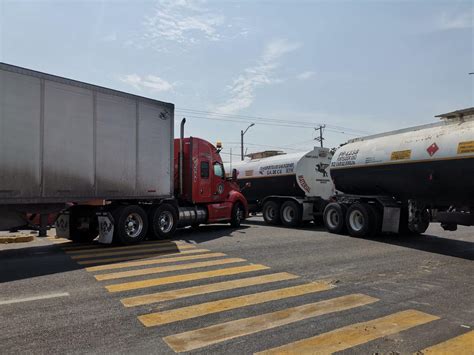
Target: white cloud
(243, 88)
(151, 82)
(456, 21)
(181, 21)
(305, 75)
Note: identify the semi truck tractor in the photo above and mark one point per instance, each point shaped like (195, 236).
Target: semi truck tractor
(288, 189)
(399, 181)
(106, 160)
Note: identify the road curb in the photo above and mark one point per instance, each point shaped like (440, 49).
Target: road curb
(16, 239)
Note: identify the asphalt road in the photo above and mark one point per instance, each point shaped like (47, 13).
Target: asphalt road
(299, 289)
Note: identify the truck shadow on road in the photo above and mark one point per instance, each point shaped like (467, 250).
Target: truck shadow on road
(207, 233)
(41, 260)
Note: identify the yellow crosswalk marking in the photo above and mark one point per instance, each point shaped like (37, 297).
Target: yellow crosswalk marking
(184, 278)
(160, 269)
(133, 251)
(355, 334)
(205, 289)
(460, 345)
(154, 261)
(104, 249)
(198, 310)
(199, 338)
(159, 253)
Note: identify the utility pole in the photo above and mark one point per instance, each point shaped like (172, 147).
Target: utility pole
(320, 138)
(242, 133)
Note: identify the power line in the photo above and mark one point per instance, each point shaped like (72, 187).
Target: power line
(271, 124)
(245, 118)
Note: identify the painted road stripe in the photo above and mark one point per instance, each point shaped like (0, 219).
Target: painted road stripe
(203, 309)
(184, 278)
(154, 261)
(34, 298)
(160, 269)
(133, 251)
(355, 334)
(125, 247)
(205, 289)
(199, 338)
(461, 345)
(161, 254)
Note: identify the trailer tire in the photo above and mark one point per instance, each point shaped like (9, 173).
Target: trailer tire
(334, 218)
(360, 220)
(130, 224)
(238, 213)
(271, 212)
(78, 232)
(291, 214)
(376, 221)
(165, 221)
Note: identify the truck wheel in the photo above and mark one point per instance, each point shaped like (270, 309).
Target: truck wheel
(165, 221)
(271, 212)
(421, 224)
(290, 214)
(237, 215)
(359, 220)
(333, 217)
(376, 224)
(84, 225)
(130, 224)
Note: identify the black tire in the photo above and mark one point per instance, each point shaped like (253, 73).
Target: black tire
(359, 220)
(238, 215)
(291, 214)
(334, 218)
(165, 221)
(422, 226)
(376, 224)
(271, 212)
(83, 224)
(130, 224)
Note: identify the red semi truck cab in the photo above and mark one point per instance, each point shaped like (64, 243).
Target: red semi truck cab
(204, 182)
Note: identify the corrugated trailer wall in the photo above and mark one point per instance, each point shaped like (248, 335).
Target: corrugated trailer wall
(63, 140)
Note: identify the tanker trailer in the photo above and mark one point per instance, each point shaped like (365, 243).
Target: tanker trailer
(390, 182)
(288, 189)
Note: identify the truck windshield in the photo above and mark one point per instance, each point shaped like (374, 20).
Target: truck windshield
(218, 170)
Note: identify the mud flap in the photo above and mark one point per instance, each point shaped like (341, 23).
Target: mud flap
(106, 228)
(62, 225)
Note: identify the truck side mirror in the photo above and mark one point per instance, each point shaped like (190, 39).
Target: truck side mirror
(234, 174)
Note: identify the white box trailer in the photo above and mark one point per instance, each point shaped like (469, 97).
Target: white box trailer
(64, 141)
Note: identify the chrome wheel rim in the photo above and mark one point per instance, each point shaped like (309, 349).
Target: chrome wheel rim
(165, 221)
(270, 213)
(332, 218)
(133, 225)
(288, 214)
(356, 220)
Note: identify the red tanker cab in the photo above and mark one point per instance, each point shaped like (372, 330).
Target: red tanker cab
(204, 179)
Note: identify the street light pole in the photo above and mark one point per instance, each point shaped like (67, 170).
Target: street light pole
(242, 133)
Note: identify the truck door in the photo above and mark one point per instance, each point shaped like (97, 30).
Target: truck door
(218, 182)
(205, 179)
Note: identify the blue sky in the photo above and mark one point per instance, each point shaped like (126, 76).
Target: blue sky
(357, 66)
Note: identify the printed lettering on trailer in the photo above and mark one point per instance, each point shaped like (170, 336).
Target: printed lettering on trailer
(277, 169)
(346, 158)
